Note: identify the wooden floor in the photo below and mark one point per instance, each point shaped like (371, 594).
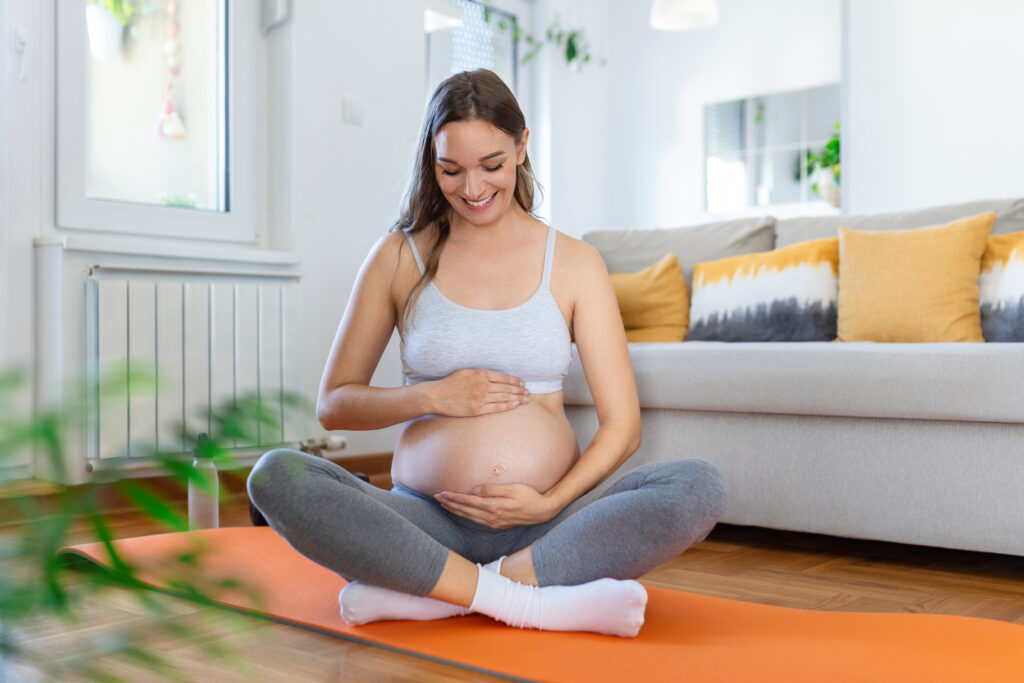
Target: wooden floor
(777, 568)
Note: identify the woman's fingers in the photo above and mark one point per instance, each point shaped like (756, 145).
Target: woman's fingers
(469, 512)
(505, 392)
(507, 397)
(466, 499)
(500, 382)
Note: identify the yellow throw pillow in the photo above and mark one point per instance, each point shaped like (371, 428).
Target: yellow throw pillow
(912, 285)
(654, 303)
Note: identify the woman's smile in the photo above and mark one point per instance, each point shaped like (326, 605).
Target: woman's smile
(481, 205)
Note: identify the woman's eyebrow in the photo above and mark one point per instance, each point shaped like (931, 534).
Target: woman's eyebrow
(483, 158)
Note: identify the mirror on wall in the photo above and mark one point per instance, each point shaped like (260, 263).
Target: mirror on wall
(773, 149)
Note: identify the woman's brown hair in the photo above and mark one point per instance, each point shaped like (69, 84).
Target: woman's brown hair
(466, 96)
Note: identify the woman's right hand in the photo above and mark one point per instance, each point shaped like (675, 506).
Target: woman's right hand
(473, 391)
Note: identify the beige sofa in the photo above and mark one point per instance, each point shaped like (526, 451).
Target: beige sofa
(914, 443)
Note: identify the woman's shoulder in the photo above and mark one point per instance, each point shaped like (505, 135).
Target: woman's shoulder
(388, 248)
(577, 269)
(390, 255)
(577, 256)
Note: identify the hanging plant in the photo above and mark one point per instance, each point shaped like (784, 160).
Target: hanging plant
(572, 44)
(123, 10)
(106, 20)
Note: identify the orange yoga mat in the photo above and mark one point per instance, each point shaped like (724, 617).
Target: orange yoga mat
(686, 637)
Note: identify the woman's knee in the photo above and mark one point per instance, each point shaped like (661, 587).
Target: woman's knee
(274, 474)
(697, 486)
(709, 484)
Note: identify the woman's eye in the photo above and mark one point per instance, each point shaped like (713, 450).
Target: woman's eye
(492, 169)
(449, 172)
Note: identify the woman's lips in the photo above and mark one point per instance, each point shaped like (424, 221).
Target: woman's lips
(480, 206)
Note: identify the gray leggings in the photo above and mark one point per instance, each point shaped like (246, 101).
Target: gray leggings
(400, 539)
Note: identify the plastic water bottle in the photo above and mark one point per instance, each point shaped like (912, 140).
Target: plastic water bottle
(203, 492)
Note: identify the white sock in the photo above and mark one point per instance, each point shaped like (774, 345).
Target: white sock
(603, 606)
(362, 604)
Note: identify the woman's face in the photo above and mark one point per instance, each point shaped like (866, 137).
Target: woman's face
(475, 166)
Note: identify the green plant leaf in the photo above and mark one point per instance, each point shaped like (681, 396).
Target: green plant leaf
(154, 505)
(570, 48)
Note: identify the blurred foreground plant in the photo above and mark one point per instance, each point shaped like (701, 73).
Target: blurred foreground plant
(35, 584)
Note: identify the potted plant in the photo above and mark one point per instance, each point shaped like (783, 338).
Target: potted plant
(823, 167)
(106, 20)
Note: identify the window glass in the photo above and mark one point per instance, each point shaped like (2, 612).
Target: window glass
(463, 35)
(156, 104)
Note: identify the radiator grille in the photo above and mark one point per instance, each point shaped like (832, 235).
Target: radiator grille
(191, 340)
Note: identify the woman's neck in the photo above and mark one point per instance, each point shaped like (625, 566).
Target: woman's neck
(504, 227)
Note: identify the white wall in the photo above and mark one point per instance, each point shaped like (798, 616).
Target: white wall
(572, 127)
(346, 182)
(933, 102)
(23, 146)
(627, 140)
(756, 48)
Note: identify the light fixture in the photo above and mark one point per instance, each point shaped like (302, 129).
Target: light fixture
(441, 14)
(683, 15)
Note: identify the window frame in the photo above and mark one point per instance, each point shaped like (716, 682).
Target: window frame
(76, 211)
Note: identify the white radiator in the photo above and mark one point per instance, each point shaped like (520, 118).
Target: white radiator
(193, 338)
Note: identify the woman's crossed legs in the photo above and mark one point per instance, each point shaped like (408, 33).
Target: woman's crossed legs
(409, 544)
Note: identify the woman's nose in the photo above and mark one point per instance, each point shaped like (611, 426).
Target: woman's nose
(474, 185)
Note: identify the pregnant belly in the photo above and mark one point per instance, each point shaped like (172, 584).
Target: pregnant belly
(532, 444)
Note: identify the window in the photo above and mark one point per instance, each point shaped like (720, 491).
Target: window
(148, 105)
(756, 148)
(463, 35)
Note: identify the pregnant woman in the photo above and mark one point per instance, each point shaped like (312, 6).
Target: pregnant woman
(486, 514)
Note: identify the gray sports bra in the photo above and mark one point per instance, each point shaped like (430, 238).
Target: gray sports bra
(529, 341)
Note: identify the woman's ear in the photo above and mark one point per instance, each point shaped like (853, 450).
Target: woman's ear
(521, 148)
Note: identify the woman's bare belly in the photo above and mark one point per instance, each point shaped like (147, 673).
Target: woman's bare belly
(532, 444)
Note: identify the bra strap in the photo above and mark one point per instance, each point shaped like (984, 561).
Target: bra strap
(546, 282)
(415, 252)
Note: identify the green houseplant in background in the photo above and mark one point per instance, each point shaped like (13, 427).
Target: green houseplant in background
(123, 10)
(35, 585)
(106, 21)
(572, 44)
(823, 169)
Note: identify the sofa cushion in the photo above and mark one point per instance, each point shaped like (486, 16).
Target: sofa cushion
(861, 379)
(653, 302)
(627, 251)
(912, 285)
(1001, 288)
(787, 294)
(1009, 218)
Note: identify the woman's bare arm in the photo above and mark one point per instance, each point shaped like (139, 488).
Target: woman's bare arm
(601, 342)
(346, 399)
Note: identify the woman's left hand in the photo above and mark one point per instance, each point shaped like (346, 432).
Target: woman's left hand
(500, 506)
